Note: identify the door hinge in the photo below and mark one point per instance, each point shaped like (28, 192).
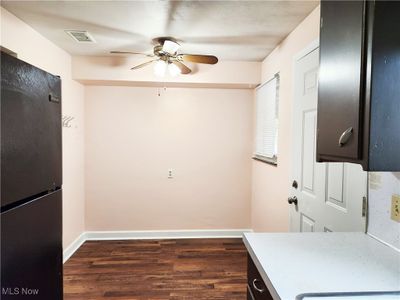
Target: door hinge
(364, 207)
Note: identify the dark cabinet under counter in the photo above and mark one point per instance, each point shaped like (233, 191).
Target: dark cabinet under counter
(359, 90)
(256, 287)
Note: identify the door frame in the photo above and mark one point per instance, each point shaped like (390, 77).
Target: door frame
(299, 55)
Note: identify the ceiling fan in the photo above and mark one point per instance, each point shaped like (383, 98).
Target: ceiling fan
(166, 56)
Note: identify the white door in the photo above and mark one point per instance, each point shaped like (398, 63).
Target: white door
(329, 195)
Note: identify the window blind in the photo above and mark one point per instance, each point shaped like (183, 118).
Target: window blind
(267, 105)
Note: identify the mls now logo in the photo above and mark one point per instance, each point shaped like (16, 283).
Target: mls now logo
(19, 291)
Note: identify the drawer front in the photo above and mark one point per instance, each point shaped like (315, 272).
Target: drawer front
(249, 294)
(256, 285)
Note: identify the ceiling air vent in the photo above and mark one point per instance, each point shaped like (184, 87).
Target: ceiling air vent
(81, 36)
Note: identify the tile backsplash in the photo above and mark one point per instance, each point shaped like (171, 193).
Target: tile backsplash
(382, 185)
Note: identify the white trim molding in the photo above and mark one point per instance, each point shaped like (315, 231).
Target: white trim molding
(151, 235)
(75, 245)
(164, 234)
(309, 48)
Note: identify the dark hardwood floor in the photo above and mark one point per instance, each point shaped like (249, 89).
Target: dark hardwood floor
(194, 269)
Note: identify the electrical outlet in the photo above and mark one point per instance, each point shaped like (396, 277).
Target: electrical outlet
(170, 173)
(395, 211)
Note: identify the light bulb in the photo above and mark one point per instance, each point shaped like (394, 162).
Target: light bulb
(173, 70)
(170, 47)
(160, 67)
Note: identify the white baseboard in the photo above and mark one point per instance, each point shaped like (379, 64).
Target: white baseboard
(165, 234)
(71, 249)
(151, 234)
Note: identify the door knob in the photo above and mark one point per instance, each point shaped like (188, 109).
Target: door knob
(292, 200)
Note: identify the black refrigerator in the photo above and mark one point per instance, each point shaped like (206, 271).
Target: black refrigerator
(31, 182)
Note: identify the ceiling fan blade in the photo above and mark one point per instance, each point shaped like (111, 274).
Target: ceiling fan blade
(184, 69)
(143, 64)
(201, 59)
(130, 52)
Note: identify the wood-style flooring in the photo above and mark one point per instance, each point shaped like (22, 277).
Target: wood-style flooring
(194, 269)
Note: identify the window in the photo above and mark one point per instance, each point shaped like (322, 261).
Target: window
(267, 106)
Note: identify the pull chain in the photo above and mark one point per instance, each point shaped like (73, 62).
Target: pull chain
(159, 90)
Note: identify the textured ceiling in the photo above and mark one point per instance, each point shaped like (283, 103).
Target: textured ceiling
(231, 30)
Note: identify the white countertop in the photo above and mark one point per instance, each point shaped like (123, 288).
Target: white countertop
(364, 297)
(292, 264)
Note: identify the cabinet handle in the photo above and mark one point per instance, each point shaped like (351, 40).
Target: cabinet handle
(344, 138)
(262, 290)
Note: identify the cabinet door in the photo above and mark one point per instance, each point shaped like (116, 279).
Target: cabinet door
(340, 89)
(257, 289)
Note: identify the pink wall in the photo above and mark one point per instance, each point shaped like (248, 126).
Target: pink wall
(131, 137)
(269, 208)
(35, 49)
(134, 136)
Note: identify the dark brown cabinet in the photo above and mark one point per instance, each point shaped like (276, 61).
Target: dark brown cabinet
(359, 84)
(256, 288)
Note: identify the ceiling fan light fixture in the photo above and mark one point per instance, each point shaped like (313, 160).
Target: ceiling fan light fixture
(168, 59)
(170, 47)
(160, 68)
(173, 70)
